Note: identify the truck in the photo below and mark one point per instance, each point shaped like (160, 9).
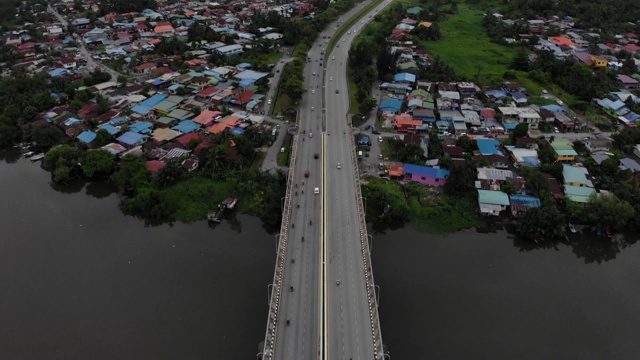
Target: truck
(360, 155)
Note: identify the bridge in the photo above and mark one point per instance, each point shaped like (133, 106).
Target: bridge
(323, 302)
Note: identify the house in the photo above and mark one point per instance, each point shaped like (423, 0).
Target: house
(629, 164)
(154, 166)
(68, 62)
(207, 117)
(492, 202)
(493, 179)
(425, 175)
(406, 78)
(229, 50)
(564, 149)
(576, 176)
(145, 68)
(636, 150)
(497, 161)
(520, 203)
(390, 105)
(131, 139)
(627, 81)
(594, 145)
(405, 123)
(578, 194)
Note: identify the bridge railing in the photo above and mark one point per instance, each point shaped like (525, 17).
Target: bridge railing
(366, 255)
(276, 292)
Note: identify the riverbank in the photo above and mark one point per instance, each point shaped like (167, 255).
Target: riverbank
(427, 209)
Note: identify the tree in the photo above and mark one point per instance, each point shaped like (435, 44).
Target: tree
(97, 162)
(537, 184)
(47, 136)
(542, 223)
(170, 174)
(609, 210)
(133, 175)
(61, 155)
(461, 180)
(103, 137)
(150, 204)
(521, 130)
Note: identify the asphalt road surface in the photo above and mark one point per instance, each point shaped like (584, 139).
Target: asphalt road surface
(349, 334)
(350, 330)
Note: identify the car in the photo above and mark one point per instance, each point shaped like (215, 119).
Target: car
(333, 58)
(339, 166)
(315, 156)
(380, 156)
(348, 33)
(316, 191)
(269, 102)
(343, 40)
(380, 138)
(544, 91)
(555, 130)
(282, 61)
(314, 73)
(306, 173)
(560, 102)
(331, 78)
(367, 127)
(277, 70)
(381, 166)
(337, 91)
(337, 45)
(313, 91)
(312, 108)
(282, 150)
(310, 134)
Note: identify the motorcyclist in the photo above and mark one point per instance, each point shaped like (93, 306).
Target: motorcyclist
(309, 222)
(303, 239)
(302, 192)
(287, 322)
(293, 226)
(296, 193)
(291, 288)
(298, 205)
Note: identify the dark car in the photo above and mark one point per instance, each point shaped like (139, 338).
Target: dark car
(337, 91)
(315, 156)
(306, 173)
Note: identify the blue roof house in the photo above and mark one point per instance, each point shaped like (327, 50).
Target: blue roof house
(521, 202)
(186, 126)
(393, 105)
(141, 127)
(425, 175)
(131, 139)
(489, 147)
(405, 78)
(87, 137)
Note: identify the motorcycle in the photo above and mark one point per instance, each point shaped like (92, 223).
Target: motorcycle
(309, 222)
(298, 206)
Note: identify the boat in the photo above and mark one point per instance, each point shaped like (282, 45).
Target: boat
(572, 228)
(224, 207)
(37, 157)
(29, 154)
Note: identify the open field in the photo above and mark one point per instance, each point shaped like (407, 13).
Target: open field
(466, 47)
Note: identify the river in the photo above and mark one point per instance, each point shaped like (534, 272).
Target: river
(79, 280)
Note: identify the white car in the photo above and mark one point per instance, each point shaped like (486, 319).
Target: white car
(316, 191)
(560, 102)
(313, 91)
(333, 58)
(339, 166)
(269, 102)
(312, 108)
(310, 134)
(331, 78)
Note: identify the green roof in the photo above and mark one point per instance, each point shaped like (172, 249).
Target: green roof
(180, 114)
(493, 197)
(166, 120)
(578, 194)
(574, 174)
(415, 10)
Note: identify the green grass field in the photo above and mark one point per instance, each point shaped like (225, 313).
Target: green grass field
(466, 47)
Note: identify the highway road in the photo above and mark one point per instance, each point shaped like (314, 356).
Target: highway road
(299, 326)
(349, 334)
